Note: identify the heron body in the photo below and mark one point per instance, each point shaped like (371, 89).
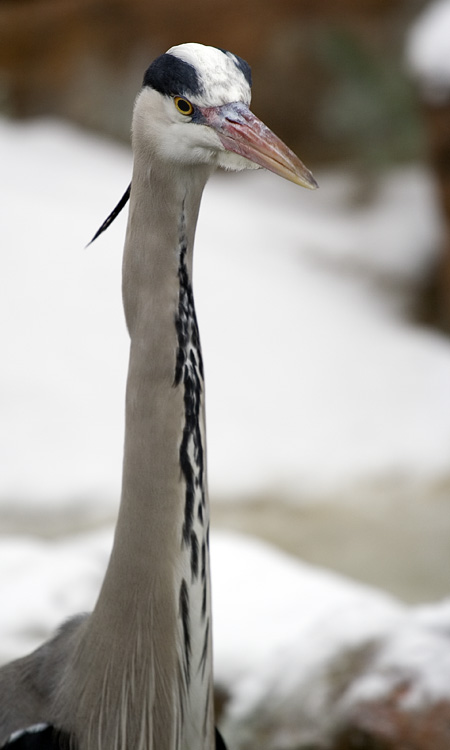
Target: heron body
(136, 674)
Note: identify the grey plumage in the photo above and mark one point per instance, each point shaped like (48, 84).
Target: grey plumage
(136, 674)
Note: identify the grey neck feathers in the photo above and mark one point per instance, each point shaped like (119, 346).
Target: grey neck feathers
(146, 653)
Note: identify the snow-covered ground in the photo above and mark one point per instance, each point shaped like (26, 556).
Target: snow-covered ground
(298, 650)
(316, 381)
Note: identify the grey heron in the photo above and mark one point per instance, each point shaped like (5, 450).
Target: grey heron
(136, 674)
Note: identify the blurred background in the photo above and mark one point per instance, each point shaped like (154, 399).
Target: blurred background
(324, 317)
(330, 77)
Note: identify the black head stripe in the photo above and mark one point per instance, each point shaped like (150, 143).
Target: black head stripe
(171, 76)
(243, 66)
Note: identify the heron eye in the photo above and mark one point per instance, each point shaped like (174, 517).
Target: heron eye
(183, 105)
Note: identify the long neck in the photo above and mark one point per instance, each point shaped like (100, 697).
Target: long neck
(152, 621)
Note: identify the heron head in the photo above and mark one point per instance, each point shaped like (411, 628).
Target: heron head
(194, 109)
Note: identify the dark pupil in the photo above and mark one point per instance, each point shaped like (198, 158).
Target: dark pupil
(184, 105)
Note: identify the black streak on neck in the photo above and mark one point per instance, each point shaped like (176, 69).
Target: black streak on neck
(185, 620)
(189, 374)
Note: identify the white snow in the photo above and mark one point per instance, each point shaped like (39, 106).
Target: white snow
(278, 622)
(64, 343)
(296, 647)
(42, 583)
(315, 379)
(428, 50)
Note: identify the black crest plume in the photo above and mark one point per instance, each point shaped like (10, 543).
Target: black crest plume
(115, 212)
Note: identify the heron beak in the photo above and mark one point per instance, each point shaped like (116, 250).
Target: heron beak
(243, 133)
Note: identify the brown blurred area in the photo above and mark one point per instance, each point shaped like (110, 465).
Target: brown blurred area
(437, 296)
(328, 76)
